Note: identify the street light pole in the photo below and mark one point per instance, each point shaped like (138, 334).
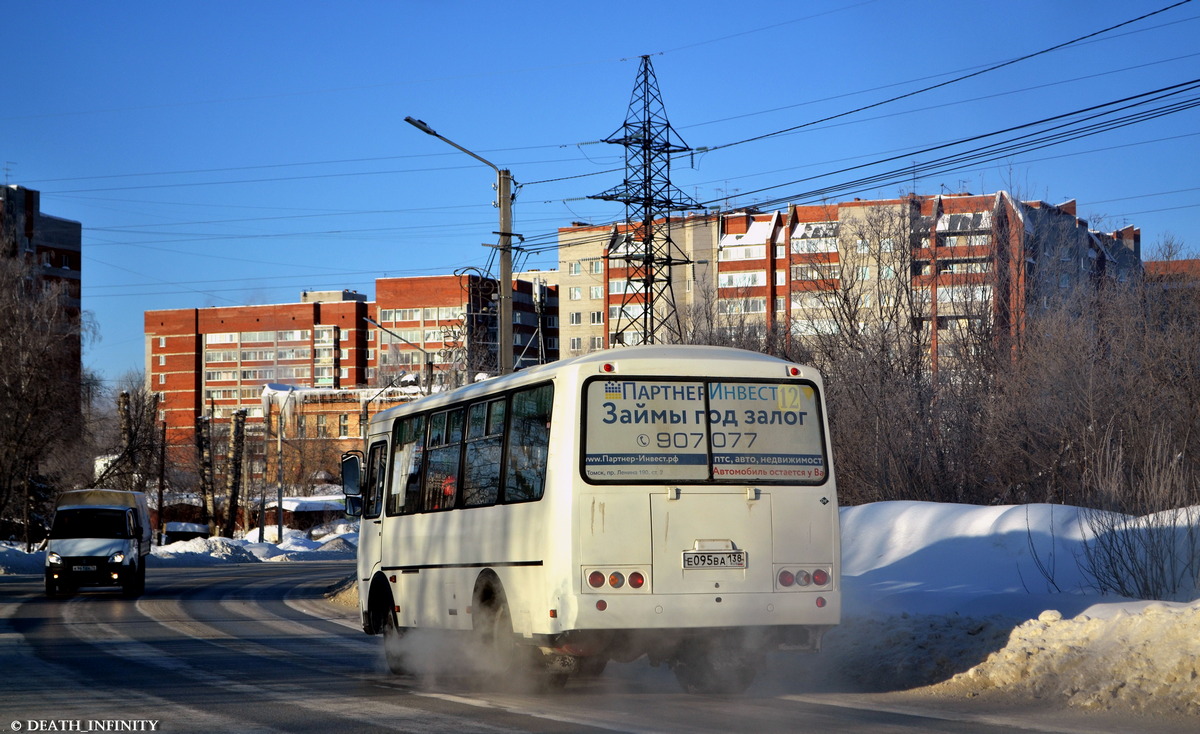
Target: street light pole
(504, 202)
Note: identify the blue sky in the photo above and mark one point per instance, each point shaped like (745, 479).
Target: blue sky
(228, 153)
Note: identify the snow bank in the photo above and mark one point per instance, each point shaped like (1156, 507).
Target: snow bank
(336, 549)
(970, 599)
(933, 558)
(1147, 661)
(14, 560)
(204, 552)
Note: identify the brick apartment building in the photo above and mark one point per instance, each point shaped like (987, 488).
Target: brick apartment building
(328, 366)
(958, 258)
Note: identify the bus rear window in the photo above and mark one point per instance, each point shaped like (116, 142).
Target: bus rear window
(722, 431)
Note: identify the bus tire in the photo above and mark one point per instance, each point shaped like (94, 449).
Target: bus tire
(393, 651)
(492, 623)
(714, 669)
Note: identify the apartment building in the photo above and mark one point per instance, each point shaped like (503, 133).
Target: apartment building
(53, 243)
(943, 264)
(601, 306)
(54, 246)
(334, 358)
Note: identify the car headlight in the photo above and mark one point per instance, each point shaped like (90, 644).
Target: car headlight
(53, 559)
(117, 557)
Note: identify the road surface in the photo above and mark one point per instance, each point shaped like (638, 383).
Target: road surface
(258, 648)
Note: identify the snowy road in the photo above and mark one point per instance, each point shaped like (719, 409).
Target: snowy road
(256, 648)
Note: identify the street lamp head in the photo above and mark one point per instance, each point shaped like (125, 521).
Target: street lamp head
(420, 125)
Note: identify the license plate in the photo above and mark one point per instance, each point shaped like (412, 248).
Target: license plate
(83, 568)
(714, 559)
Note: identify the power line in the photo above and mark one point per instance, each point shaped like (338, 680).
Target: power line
(948, 82)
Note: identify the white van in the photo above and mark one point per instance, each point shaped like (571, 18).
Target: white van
(100, 537)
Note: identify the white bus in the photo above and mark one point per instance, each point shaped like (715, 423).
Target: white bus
(677, 502)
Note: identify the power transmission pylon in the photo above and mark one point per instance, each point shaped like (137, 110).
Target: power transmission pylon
(643, 248)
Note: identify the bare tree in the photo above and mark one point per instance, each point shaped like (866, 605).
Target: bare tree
(40, 395)
(123, 431)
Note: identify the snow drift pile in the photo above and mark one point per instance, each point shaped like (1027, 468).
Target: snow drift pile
(1148, 660)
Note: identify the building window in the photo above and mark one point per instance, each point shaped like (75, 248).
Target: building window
(596, 291)
(574, 268)
(862, 247)
(322, 431)
(576, 318)
(780, 277)
(597, 317)
(343, 425)
(742, 279)
(576, 343)
(162, 342)
(596, 267)
(575, 293)
(162, 379)
(597, 342)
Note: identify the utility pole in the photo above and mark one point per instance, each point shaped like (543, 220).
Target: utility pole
(504, 203)
(504, 198)
(162, 471)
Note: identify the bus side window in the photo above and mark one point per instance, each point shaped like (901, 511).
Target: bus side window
(484, 447)
(528, 444)
(408, 448)
(444, 451)
(376, 478)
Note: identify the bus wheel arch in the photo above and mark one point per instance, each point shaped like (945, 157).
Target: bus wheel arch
(380, 606)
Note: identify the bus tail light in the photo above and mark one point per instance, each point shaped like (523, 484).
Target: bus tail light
(625, 579)
(800, 578)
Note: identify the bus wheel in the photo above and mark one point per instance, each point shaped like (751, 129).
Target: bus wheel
(714, 669)
(392, 643)
(494, 634)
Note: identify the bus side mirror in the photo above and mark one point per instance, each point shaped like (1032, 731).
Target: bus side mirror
(352, 473)
(353, 505)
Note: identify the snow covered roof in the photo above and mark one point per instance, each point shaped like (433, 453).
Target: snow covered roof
(758, 234)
